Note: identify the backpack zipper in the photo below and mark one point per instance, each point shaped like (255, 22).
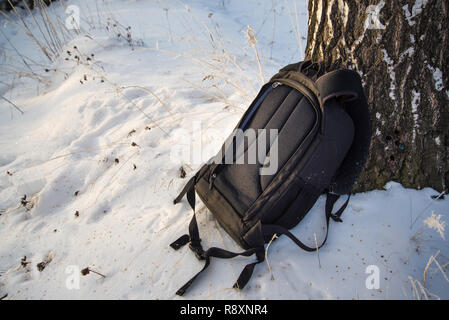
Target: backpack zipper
(302, 89)
(257, 104)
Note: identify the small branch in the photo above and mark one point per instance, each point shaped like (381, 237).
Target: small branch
(441, 269)
(88, 270)
(98, 273)
(153, 94)
(275, 236)
(317, 251)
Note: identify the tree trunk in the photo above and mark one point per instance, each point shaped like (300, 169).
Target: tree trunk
(402, 55)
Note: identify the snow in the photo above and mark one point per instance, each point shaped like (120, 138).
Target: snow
(437, 77)
(407, 53)
(372, 22)
(416, 97)
(391, 72)
(93, 153)
(416, 10)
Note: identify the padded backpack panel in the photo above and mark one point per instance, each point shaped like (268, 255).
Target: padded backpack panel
(284, 109)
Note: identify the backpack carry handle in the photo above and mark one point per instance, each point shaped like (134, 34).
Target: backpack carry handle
(343, 83)
(347, 84)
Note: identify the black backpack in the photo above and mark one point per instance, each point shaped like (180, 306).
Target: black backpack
(323, 140)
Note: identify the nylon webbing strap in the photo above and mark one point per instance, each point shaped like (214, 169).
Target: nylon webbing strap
(224, 254)
(194, 236)
(195, 245)
(270, 230)
(330, 202)
(189, 185)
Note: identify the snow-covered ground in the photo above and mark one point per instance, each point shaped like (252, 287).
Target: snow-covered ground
(94, 153)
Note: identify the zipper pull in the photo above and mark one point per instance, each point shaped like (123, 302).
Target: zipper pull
(276, 84)
(211, 180)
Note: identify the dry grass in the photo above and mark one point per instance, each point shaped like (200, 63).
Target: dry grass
(229, 76)
(12, 103)
(225, 78)
(45, 28)
(48, 32)
(421, 289)
(252, 40)
(294, 21)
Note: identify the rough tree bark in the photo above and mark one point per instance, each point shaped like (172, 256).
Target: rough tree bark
(405, 70)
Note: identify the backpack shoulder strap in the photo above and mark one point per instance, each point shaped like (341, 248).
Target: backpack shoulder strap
(194, 240)
(271, 229)
(346, 86)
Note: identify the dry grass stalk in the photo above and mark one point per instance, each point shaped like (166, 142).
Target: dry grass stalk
(434, 260)
(317, 251)
(29, 33)
(295, 25)
(154, 95)
(13, 104)
(252, 41)
(275, 236)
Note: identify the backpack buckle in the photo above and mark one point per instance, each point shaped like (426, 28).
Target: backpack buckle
(197, 250)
